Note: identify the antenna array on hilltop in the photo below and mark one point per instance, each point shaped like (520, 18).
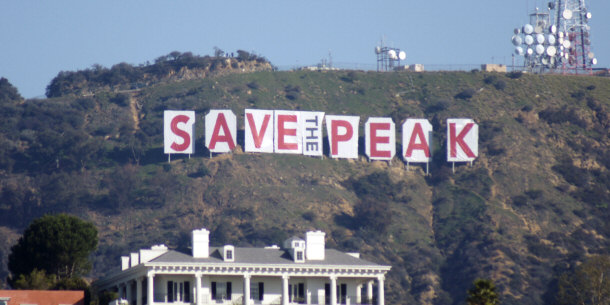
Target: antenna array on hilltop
(557, 40)
(388, 58)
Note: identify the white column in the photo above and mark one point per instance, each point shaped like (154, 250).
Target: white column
(285, 299)
(380, 299)
(246, 289)
(359, 294)
(139, 291)
(333, 290)
(198, 289)
(150, 294)
(128, 293)
(369, 292)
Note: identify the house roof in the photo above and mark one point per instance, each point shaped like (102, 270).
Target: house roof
(261, 256)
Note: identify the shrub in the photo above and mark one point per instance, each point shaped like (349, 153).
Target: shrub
(514, 74)
(253, 85)
(309, 216)
(500, 85)
(465, 94)
(490, 79)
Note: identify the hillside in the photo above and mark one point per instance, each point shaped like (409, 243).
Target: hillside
(534, 203)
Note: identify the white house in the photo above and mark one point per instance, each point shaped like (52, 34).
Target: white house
(302, 272)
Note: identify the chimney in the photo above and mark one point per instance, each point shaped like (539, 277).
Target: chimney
(134, 259)
(201, 243)
(124, 262)
(315, 248)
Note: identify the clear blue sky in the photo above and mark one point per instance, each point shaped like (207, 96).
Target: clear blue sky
(38, 39)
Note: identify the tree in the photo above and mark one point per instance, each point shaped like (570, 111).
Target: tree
(36, 280)
(483, 292)
(59, 245)
(587, 284)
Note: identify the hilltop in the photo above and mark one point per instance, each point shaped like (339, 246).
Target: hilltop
(534, 204)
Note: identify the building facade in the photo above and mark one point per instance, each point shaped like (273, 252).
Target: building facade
(303, 271)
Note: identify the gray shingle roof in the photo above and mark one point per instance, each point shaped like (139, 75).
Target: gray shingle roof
(261, 256)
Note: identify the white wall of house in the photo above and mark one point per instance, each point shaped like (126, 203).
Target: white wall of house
(314, 289)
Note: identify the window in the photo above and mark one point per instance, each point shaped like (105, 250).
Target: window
(221, 291)
(229, 255)
(178, 292)
(257, 290)
(297, 293)
(300, 256)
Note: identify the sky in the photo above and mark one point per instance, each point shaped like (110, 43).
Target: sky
(40, 38)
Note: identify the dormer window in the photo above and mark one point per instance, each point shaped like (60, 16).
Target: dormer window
(299, 256)
(228, 253)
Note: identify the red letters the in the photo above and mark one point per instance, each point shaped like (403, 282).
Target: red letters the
(221, 122)
(258, 136)
(374, 140)
(181, 133)
(282, 131)
(459, 140)
(418, 133)
(336, 137)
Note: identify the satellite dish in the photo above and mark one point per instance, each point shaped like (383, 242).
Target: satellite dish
(567, 44)
(553, 29)
(567, 14)
(519, 51)
(591, 55)
(377, 50)
(517, 31)
(530, 52)
(517, 40)
(529, 40)
(540, 38)
(538, 29)
(588, 15)
(392, 54)
(544, 61)
(402, 55)
(551, 39)
(528, 29)
(560, 34)
(594, 61)
(587, 41)
(539, 49)
(551, 51)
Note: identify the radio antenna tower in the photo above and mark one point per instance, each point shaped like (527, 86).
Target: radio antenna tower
(572, 18)
(388, 58)
(557, 40)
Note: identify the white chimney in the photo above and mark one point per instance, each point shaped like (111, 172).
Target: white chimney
(124, 262)
(315, 248)
(201, 243)
(134, 259)
(146, 255)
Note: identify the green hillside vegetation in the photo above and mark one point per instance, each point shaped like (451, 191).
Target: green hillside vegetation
(533, 205)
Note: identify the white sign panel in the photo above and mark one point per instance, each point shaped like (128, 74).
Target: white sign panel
(258, 130)
(288, 137)
(380, 138)
(462, 140)
(220, 131)
(311, 128)
(417, 141)
(178, 133)
(342, 133)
